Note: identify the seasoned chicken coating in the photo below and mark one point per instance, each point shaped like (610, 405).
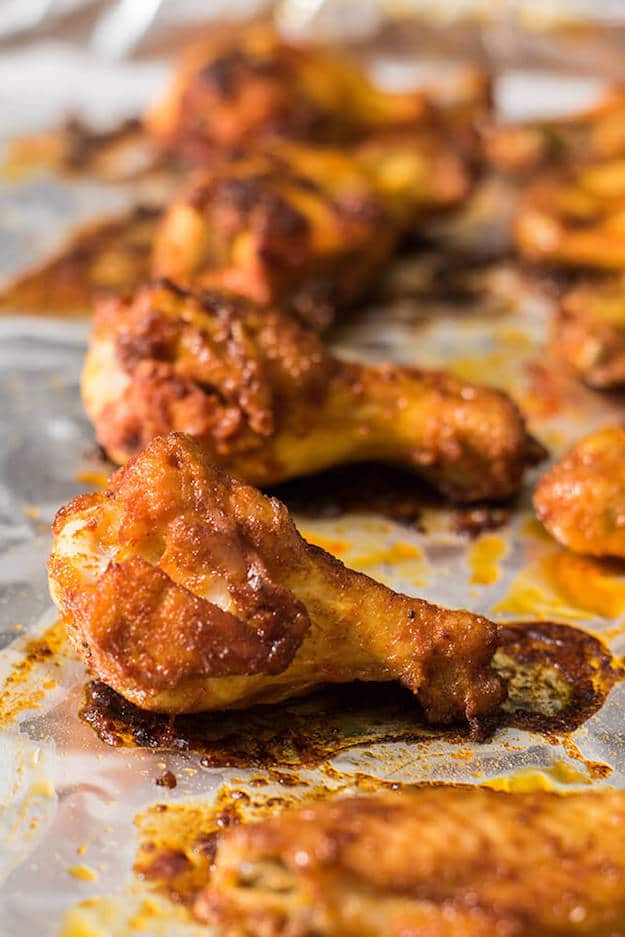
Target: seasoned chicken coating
(581, 500)
(595, 134)
(575, 218)
(308, 228)
(268, 402)
(186, 590)
(443, 862)
(589, 331)
(244, 86)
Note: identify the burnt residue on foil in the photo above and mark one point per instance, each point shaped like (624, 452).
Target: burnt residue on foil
(558, 676)
(108, 256)
(390, 492)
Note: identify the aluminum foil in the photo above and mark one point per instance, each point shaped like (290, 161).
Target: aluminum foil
(67, 799)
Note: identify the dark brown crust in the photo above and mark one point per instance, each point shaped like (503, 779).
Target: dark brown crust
(242, 86)
(258, 390)
(441, 862)
(148, 627)
(278, 230)
(162, 634)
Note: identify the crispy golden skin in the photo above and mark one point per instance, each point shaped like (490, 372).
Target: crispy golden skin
(575, 218)
(589, 331)
(597, 133)
(239, 87)
(442, 862)
(268, 402)
(581, 500)
(308, 228)
(186, 590)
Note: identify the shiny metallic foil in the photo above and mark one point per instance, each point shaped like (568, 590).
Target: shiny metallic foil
(77, 807)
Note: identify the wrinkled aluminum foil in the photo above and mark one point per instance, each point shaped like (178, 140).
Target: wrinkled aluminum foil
(68, 800)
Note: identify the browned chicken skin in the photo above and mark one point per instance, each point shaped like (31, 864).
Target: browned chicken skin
(594, 134)
(243, 86)
(589, 331)
(307, 227)
(575, 218)
(581, 500)
(434, 863)
(186, 590)
(267, 401)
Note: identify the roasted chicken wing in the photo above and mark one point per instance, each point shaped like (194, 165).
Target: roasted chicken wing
(589, 331)
(576, 218)
(308, 228)
(581, 500)
(186, 590)
(594, 134)
(268, 402)
(241, 87)
(442, 862)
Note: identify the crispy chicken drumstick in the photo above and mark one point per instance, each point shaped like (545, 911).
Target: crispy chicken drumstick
(308, 228)
(244, 86)
(186, 590)
(268, 402)
(581, 500)
(589, 331)
(442, 862)
(575, 218)
(594, 134)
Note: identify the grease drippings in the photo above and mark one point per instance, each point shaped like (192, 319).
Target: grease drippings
(105, 257)
(390, 492)
(558, 677)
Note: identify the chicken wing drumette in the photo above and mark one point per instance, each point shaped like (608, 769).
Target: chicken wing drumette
(186, 590)
(442, 862)
(308, 228)
(243, 87)
(575, 218)
(581, 500)
(267, 401)
(589, 330)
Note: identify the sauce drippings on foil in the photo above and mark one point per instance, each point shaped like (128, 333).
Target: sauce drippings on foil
(124, 152)
(31, 676)
(102, 258)
(558, 677)
(485, 556)
(563, 585)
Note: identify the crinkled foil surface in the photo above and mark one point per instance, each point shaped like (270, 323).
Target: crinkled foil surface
(67, 799)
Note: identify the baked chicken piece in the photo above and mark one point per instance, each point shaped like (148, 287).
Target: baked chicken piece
(185, 590)
(595, 134)
(575, 218)
(443, 862)
(589, 331)
(308, 228)
(581, 500)
(240, 87)
(268, 402)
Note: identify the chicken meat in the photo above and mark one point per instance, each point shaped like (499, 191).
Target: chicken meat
(186, 590)
(269, 402)
(581, 500)
(441, 862)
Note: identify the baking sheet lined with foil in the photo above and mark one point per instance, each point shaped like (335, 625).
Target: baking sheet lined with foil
(83, 778)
